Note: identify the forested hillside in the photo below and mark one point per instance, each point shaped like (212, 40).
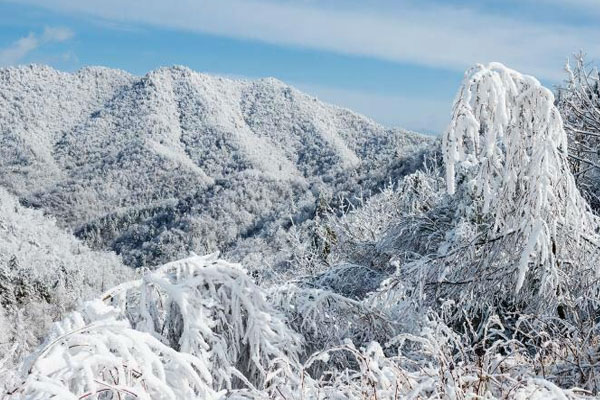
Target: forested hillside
(44, 273)
(157, 166)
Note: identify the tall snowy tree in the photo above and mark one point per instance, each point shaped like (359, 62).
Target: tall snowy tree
(505, 153)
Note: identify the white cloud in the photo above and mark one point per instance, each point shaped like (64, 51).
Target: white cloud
(18, 50)
(432, 35)
(56, 34)
(21, 48)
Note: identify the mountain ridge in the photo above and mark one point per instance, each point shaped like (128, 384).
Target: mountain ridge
(121, 142)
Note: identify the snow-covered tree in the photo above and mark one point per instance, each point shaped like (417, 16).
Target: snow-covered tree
(578, 100)
(95, 353)
(44, 274)
(505, 154)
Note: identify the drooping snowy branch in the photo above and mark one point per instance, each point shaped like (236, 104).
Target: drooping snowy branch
(94, 352)
(191, 328)
(506, 152)
(211, 309)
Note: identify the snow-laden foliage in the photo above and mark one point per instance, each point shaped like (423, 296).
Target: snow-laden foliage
(506, 151)
(366, 232)
(212, 310)
(326, 319)
(95, 354)
(436, 363)
(189, 329)
(578, 100)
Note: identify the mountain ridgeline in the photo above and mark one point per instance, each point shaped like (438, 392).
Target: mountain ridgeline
(175, 161)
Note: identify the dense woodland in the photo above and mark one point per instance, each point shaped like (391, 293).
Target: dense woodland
(345, 260)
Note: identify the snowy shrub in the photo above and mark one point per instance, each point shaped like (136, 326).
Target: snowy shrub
(190, 328)
(367, 234)
(212, 310)
(436, 363)
(325, 319)
(349, 280)
(95, 354)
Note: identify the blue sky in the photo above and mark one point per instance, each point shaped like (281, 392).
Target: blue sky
(399, 62)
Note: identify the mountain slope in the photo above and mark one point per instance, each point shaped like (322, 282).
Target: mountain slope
(44, 273)
(37, 103)
(174, 161)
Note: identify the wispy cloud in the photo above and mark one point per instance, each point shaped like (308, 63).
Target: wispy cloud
(586, 5)
(22, 47)
(56, 34)
(432, 34)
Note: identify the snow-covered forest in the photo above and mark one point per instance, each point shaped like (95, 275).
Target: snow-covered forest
(185, 236)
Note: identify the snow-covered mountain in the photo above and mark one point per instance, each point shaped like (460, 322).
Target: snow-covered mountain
(156, 166)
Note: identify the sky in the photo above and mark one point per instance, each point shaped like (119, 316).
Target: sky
(398, 62)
